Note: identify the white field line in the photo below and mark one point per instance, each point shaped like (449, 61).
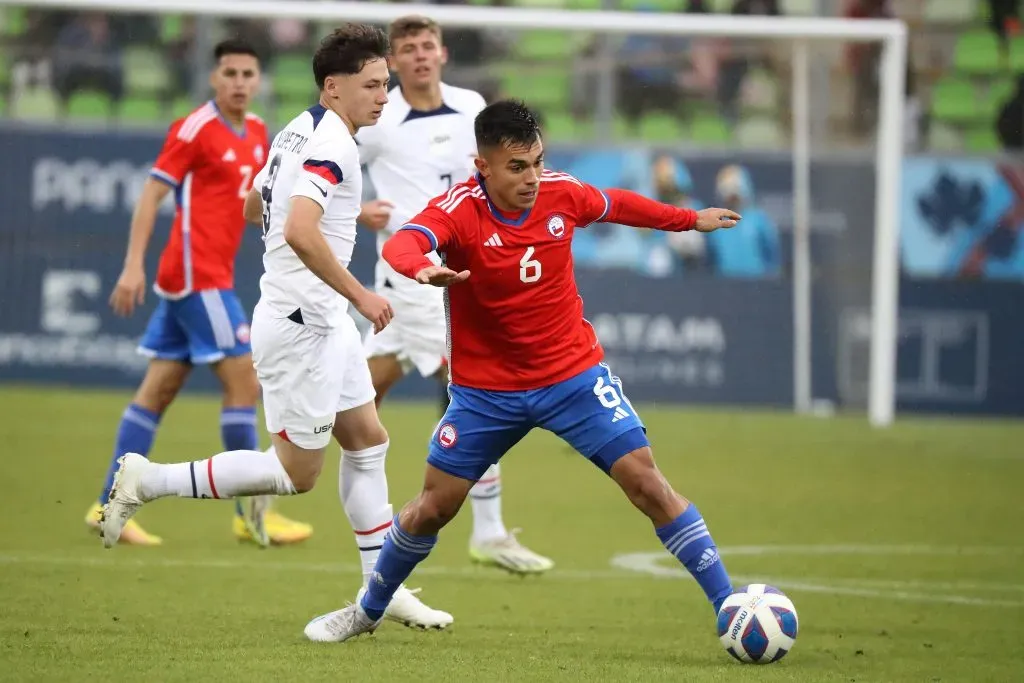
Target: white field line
(625, 567)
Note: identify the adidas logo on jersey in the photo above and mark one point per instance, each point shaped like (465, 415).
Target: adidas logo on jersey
(493, 241)
(620, 413)
(229, 155)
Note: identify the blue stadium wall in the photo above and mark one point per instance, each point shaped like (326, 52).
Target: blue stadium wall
(66, 200)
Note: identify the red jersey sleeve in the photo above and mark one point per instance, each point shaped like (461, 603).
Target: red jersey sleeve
(437, 224)
(177, 156)
(592, 205)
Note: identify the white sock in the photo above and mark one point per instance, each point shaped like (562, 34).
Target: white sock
(226, 475)
(363, 487)
(486, 500)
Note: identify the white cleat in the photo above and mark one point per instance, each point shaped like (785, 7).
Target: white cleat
(340, 625)
(408, 610)
(124, 499)
(508, 554)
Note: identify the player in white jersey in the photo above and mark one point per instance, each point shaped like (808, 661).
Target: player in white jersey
(422, 145)
(306, 349)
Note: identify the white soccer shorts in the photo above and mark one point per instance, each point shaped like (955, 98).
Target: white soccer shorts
(417, 335)
(308, 375)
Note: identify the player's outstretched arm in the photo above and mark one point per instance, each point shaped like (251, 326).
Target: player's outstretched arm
(130, 289)
(406, 252)
(630, 208)
(302, 233)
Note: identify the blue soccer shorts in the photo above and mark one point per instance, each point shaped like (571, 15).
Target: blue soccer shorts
(202, 327)
(589, 411)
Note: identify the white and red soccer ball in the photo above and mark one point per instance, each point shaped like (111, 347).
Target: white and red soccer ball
(758, 624)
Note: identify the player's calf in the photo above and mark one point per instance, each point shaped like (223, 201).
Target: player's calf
(437, 504)
(362, 481)
(678, 524)
(646, 487)
(413, 535)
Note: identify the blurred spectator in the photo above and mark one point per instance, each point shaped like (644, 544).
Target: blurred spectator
(739, 56)
(87, 55)
(647, 75)
(753, 250)
(863, 60)
(1004, 18)
(1010, 123)
(673, 185)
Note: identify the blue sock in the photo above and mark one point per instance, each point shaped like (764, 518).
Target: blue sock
(238, 433)
(134, 435)
(399, 556)
(687, 538)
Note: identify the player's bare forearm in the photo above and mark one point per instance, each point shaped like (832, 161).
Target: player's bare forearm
(252, 210)
(143, 220)
(302, 233)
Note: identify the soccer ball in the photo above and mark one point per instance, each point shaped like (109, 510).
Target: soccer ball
(757, 624)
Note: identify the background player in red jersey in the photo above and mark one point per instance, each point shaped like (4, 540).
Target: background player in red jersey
(209, 159)
(522, 355)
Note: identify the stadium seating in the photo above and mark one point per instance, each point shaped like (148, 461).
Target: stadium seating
(964, 94)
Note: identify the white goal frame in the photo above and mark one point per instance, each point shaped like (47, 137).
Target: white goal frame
(891, 33)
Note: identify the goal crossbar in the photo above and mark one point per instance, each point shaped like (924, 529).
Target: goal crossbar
(800, 31)
(813, 28)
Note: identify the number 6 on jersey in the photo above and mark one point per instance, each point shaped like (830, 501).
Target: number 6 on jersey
(529, 270)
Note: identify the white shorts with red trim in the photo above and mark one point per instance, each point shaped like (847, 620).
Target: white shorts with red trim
(308, 375)
(417, 336)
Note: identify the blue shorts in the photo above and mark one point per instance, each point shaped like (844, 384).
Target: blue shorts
(589, 411)
(202, 327)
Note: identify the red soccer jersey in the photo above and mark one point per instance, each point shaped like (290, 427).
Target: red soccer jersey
(210, 166)
(517, 323)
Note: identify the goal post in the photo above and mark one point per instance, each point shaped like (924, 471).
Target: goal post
(800, 32)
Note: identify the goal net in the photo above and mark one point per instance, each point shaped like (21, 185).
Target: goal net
(795, 307)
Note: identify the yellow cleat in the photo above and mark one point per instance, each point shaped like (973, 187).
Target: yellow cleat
(279, 529)
(133, 534)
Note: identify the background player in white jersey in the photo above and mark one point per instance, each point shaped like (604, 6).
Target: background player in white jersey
(421, 146)
(306, 349)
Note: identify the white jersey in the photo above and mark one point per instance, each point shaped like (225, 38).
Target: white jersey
(413, 156)
(314, 156)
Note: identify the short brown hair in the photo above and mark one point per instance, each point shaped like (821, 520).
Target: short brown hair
(347, 50)
(410, 25)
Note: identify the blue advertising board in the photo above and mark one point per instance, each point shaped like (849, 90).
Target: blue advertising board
(680, 333)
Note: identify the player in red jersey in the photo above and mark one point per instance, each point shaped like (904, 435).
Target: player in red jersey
(522, 355)
(209, 159)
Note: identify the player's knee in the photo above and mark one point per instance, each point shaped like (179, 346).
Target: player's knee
(302, 471)
(303, 479)
(160, 386)
(241, 386)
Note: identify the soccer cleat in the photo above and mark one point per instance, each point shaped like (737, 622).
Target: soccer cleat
(124, 498)
(132, 534)
(253, 520)
(508, 554)
(408, 610)
(340, 625)
(279, 529)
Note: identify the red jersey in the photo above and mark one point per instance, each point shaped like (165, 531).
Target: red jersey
(210, 166)
(517, 323)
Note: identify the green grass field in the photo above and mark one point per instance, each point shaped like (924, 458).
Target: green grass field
(902, 550)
